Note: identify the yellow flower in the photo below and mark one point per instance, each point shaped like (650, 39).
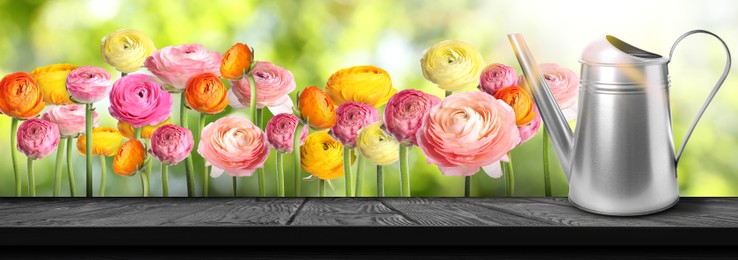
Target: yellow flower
(126, 49)
(364, 84)
(377, 145)
(52, 79)
(452, 65)
(322, 156)
(129, 132)
(105, 141)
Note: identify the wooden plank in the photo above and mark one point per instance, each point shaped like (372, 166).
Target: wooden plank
(41, 212)
(450, 212)
(348, 211)
(247, 211)
(13, 203)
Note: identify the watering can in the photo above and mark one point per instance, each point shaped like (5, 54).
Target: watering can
(620, 161)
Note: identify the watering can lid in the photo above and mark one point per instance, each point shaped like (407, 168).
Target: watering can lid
(613, 51)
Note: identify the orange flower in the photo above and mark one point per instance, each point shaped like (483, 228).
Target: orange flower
(237, 61)
(521, 103)
(364, 84)
(20, 96)
(129, 159)
(105, 141)
(317, 108)
(205, 93)
(129, 132)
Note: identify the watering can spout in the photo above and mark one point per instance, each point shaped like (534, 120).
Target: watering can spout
(556, 124)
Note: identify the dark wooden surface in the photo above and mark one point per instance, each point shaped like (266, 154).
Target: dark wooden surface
(356, 221)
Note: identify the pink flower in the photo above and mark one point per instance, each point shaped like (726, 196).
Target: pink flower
(70, 119)
(273, 85)
(37, 138)
(175, 65)
(467, 131)
(234, 145)
(88, 84)
(563, 82)
(496, 76)
(528, 131)
(404, 113)
(139, 101)
(280, 131)
(171, 144)
(351, 117)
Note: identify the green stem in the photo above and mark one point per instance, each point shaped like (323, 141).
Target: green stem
(347, 171)
(321, 187)
(14, 156)
(150, 162)
(546, 170)
(467, 186)
(360, 176)
(380, 181)
(280, 174)
(144, 184)
(509, 177)
(296, 156)
(165, 179)
(58, 167)
(205, 175)
(137, 133)
(31, 179)
(235, 186)
(404, 171)
(103, 176)
(260, 171)
(88, 148)
(70, 167)
(189, 167)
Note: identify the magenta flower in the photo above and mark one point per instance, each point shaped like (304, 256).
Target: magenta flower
(70, 119)
(37, 138)
(404, 113)
(273, 85)
(139, 101)
(234, 145)
(175, 65)
(351, 117)
(495, 77)
(88, 84)
(171, 144)
(280, 131)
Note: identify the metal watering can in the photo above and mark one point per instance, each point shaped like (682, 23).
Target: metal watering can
(620, 160)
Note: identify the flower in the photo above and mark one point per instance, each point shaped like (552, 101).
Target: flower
(126, 49)
(496, 76)
(273, 85)
(280, 131)
(364, 84)
(70, 119)
(129, 158)
(128, 131)
(236, 61)
(234, 145)
(137, 100)
(377, 145)
(352, 116)
(37, 138)
(205, 93)
(322, 156)
(105, 141)
(452, 65)
(528, 131)
(520, 101)
(316, 108)
(52, 80)
(404, 113)
(563, 82)
(88, 84)
(20, 96)
(171, 144)
(467, 131)
(175, 65)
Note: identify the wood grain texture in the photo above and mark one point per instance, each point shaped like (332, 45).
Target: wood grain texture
(250, 211)
(348, 211)
(451, 212)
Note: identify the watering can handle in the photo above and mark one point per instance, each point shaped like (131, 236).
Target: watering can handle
(712, 93)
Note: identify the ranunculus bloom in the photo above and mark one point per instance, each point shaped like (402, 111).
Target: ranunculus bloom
(467, 131)
(234, 145)
(88, 84)
(105, 141)
(273, 85)
(495, 77)
(37, 138)
(236, 61)
(563, 82)
(280, 131)
(352, 116)
(70, 119)
(175, 65)
(377, 145)
(520, 101)
(452, 65)
(139, 101)
(316, 108)
(129, 158)
(126, 49)
(404, 113)
(205, 93)
(128, 131)
(171, 144)
(528, 131)
(53, 82)
(20, 96)
(364, 84)
(322, 156)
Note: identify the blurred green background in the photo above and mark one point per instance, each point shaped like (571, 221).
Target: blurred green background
(315, 38)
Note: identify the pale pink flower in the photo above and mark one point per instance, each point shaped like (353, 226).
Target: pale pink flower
(139, 101)
(70, 119)
(350, 118)
(563, 82)
(496, 76)
(273, 85)
(404, 113)
(234, 145)
(171, 144)
(37, 138)
(175, 65)
(88, 84)
(280, 131)
(528, 131)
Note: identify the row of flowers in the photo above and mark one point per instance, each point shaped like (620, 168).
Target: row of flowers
(461, 133)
